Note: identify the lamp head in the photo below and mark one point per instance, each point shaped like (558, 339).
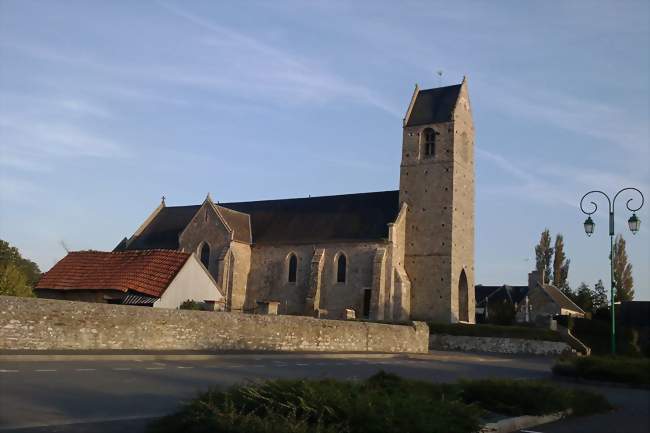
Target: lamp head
(634, 223)
(589, 226)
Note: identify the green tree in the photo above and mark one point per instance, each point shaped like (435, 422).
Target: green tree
(17, 274)
(584, 297)
(543, 255)
(599, 296)
(13, 281)
(9, 254)
(561, 267)
(623, 281)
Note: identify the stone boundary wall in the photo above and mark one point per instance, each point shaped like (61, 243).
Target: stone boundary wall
(497, 345)
(45, 324)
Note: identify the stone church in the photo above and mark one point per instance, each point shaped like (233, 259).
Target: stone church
(389, 255)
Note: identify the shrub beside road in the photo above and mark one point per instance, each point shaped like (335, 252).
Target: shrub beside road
(383, 403)
(621, 369)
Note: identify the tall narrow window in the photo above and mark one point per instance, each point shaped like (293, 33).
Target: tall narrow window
(205, 255)
(341, 268)
(293, 268)
(429, 141)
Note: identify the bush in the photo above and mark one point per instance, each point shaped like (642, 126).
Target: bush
(381, 404)
(632, 371)
(511, 397)
(384, 403)
(597, 335)
(485, 330)
(190, 305)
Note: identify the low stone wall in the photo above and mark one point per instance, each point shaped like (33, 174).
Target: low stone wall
(497, 345)
(44, 324)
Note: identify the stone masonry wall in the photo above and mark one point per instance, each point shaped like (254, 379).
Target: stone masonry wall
(497, 345)
(44, 324)
(268, 278)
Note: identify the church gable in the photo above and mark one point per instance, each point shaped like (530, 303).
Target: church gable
(207, 226)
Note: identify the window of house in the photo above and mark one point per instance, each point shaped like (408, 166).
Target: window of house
(341, 269)
(293, 268)
(205, 255)
(429, 137)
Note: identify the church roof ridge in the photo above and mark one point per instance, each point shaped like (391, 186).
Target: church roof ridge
(304, 219)
(346, 195)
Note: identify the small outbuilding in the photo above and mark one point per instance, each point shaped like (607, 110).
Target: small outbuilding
(153, 278)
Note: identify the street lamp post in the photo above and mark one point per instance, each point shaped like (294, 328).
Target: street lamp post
(634, 223)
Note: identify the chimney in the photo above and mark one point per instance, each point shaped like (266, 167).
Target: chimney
(535, 278)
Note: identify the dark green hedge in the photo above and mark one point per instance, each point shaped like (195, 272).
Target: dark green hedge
(596, 334)
(631, 371)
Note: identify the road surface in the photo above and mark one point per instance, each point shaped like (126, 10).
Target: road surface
(106, 395)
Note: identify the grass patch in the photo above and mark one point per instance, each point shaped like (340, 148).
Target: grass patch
(485, 330)
(512, 397)
(631, 371)
(384, 403)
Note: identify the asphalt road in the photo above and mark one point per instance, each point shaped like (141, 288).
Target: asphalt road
(105, 396)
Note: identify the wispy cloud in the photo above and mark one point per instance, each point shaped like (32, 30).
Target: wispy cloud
(552, 183)
(18, 190)
(590, 118)
(44, 137)
(257, 69)
(82, 107)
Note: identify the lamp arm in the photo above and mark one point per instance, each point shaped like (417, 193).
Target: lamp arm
(593, 203)
(627, 203)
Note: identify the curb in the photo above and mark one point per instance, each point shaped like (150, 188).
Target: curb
(510, 425)
(188, 357)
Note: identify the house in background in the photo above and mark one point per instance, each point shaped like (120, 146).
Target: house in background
(493, 296)
(154, 278)
(532, 303)
(546, 300)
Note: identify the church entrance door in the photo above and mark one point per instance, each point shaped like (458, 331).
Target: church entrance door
(367, 293)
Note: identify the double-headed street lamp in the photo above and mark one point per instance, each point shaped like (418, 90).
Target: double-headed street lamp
(634, 223)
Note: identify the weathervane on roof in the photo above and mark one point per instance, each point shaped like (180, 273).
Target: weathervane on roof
(439, 73)
(162, 200)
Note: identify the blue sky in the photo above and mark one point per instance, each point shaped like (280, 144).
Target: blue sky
(106, 106)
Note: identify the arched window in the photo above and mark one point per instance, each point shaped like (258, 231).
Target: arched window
(205, 255)
(463, 298)
(293, 268)
(341, 268)
(429, 142)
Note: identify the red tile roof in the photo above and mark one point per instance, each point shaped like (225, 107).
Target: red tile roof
(146, 271)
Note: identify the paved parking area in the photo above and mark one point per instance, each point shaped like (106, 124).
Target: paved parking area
(106, 395)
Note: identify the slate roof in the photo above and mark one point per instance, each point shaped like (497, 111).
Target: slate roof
(239, 222)
(363, 216)
(434, 105)
(163, 231)
(147, 272)
(514, 294)
(560, 298)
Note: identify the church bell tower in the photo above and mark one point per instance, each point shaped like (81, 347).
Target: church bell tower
(437, 184)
